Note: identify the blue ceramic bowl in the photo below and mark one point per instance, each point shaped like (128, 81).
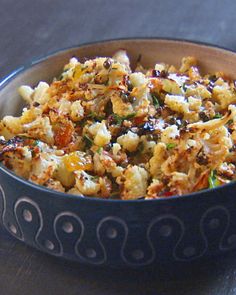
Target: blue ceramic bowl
(113, 232)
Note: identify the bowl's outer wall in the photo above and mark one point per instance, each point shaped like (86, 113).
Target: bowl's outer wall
(118, 233)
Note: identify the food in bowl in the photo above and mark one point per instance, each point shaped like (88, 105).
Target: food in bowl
(103, 130)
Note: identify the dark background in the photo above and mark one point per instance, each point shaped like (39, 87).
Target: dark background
(29, 29)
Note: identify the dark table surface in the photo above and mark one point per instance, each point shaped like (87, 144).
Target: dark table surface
(33, 28)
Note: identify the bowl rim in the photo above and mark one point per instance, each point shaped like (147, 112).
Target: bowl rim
(37, 60)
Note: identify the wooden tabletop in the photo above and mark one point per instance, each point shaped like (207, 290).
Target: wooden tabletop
(34, 28)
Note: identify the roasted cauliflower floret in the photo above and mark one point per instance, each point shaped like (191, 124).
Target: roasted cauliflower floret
(55, 185)
(19, 159)
(40, 94)
(62, 174)
(138, 79)
(129, 141)
(121, 57)
(102, 135)
(86, 184)
(42, 169)
(12, 126)
(104, 162)
(76, 111)
(223, 95)
(170, 134)
(120, 107)
(171, 86)
(26, 92)
(135, 184)
(180, 182)
(40, 128)
(177, 103)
